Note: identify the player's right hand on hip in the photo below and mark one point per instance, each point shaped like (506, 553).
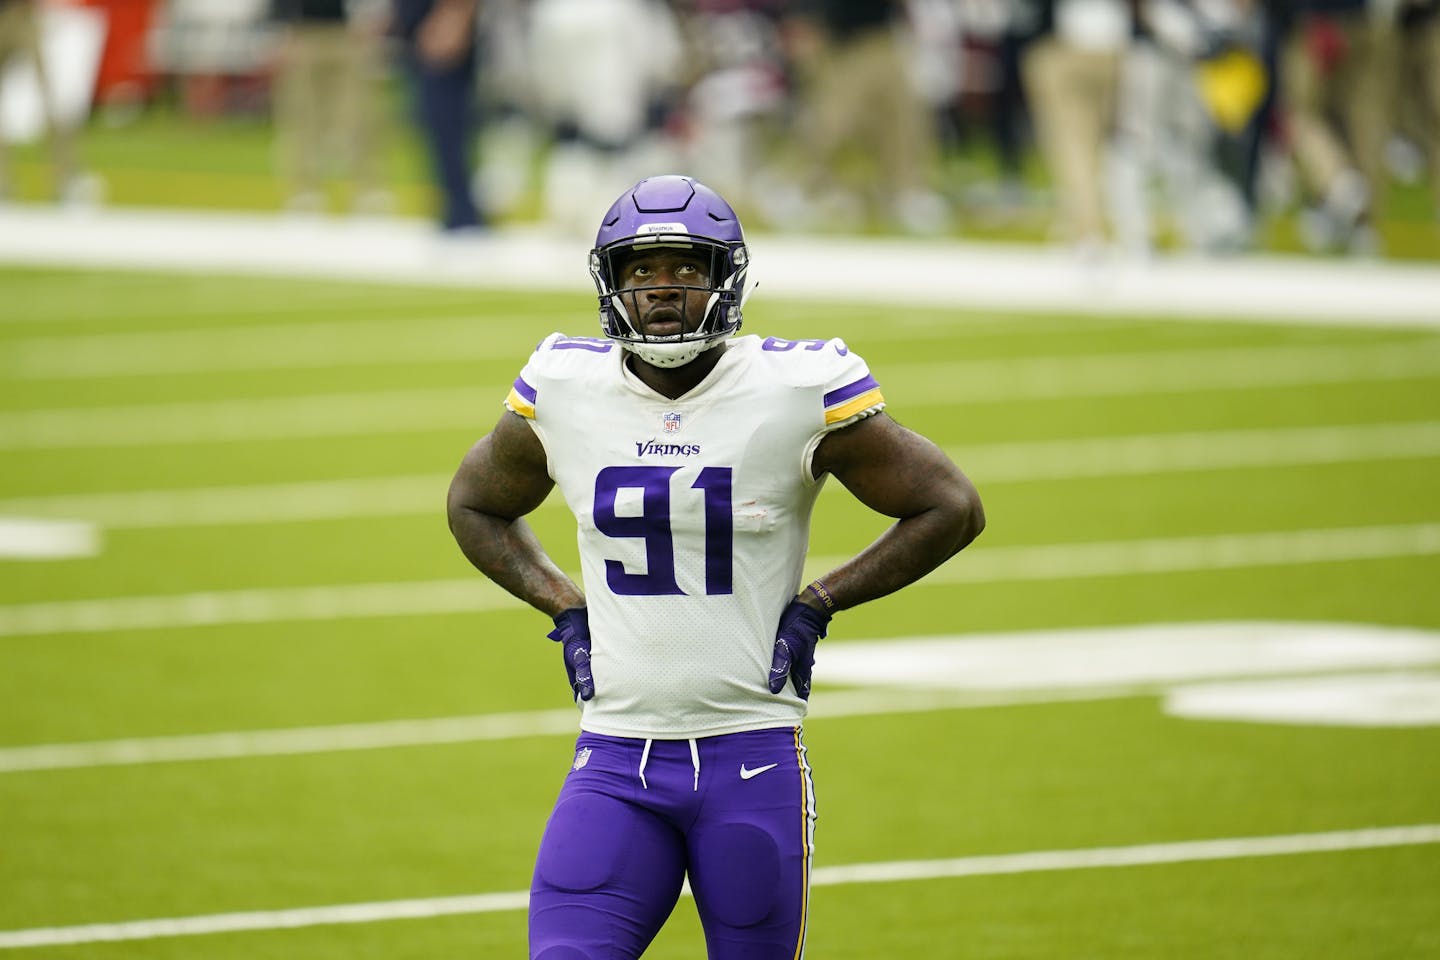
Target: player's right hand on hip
(572, 632)
(801, 627)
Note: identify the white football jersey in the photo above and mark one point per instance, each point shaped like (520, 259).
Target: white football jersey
(694, 519)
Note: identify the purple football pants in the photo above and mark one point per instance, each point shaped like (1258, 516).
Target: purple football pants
(734, 812)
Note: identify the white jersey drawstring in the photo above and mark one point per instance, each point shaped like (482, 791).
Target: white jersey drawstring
(695, 762)
(644, 759)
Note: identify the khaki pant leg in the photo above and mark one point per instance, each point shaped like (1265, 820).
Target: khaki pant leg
(20, 36)
(299, 110)
(11, 45)
(1318, 151)
(356, 110)
(896, 125)
(1367, 93)
(1073, 96)
(832, 110)
(1429, 41)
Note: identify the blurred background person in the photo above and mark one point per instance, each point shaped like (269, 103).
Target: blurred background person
(605, 75)
(509, 138)
(1337, 90)
(326, 97)
(1168, 134)
(1418, 91)
(867, 136)
(1072, 81)
(20, 40)
(737, 97)
(996, 32)
(438, 52)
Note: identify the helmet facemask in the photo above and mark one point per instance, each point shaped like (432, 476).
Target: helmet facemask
(725, 290)
(671, 211)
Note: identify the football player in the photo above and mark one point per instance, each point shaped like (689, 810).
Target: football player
(691, 460)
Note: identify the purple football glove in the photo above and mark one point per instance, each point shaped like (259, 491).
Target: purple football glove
(801, 627)
(572, 632)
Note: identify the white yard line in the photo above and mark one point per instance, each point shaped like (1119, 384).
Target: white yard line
(288, 604)
(335, 738)
(314, 345)
(268, 418)
(1019, 462)
(473, 408)
(917, 384)
(1180, 554)
(1156, 372)
(382, 735)
(392, 340)
(900, 871)
(475, 595)
(29, 538)
(260, 503)
(1156, 453)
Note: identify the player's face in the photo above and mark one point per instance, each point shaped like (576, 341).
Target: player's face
(665, 290)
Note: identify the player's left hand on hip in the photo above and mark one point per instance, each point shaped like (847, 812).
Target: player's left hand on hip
(572, 632)
(801, 627)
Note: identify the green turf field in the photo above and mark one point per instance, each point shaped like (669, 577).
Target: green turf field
(217, 694)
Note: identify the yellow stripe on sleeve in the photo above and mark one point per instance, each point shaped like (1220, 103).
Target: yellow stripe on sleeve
(849, 408)
(520, 405)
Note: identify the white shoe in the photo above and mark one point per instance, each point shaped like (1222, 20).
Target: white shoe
(83, 191)
(923, 213)
(306, 204)
(373, 203)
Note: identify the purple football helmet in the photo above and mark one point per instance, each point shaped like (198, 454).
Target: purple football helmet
(672, 211)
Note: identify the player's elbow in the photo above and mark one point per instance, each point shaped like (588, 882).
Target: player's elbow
(967, 517)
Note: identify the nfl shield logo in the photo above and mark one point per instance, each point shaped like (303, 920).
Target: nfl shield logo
(582, 757)
(671, 422)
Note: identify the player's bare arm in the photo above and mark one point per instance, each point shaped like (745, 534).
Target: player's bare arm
(899, 473)
(501, 479)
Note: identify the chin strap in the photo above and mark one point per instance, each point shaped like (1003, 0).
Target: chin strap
(668, 354)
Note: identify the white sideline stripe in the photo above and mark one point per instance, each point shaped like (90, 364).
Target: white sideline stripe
(337, 738)
(473, 408)
(473, 595)
(900, 871)
(1288, 290)
(990, 464)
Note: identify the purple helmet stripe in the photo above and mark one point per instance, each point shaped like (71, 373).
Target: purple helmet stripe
(851, 390)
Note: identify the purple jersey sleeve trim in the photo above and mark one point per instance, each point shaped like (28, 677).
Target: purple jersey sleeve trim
(525, 390)
(850, 390)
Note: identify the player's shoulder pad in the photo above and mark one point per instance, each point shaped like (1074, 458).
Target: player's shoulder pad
(558, 358)
(560, 350)
(840, 379)
(806, 362)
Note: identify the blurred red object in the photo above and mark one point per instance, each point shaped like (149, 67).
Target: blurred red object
(1326, 42)
(125, 70)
